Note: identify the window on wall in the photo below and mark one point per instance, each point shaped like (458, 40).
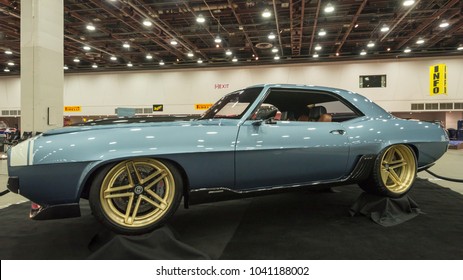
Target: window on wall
(372, 81)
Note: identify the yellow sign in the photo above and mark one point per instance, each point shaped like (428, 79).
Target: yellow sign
(72, 109)
(438, 79)
(158, 108)
(202, 106)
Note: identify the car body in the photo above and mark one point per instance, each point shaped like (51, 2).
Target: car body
(263, 138)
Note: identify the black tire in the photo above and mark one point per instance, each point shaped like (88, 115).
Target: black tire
(151, 188)
(394, 172)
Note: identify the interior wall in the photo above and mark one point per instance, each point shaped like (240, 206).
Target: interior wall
(180, 90)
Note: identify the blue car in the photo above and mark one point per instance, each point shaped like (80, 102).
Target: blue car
(261, 139)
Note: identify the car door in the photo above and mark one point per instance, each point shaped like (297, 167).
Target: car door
(289, 152)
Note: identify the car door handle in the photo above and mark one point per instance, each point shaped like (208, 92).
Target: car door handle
(338, 131)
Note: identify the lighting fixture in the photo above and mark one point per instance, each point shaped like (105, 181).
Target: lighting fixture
(126, 45)
(200, 19)
(6, 70)
(228, 52)
(420, 41)
(337, 54)
(444, 24)
(129, 64)
(235, 59)
(65, 67)
(217, 39)
(408, 3)
(384, 28)
(76, 60)
(363, 52)
(173, 42)
(388, 49)
(274, 50)
(318, 47)
(322, 32)
(315, 55)
(271, 36)
(94, 65)
(113, 58)
(200, 61)
(149, 56)
(371, 44)
(266, 13)
(407, 50)
(87, 48)
(190, 54)
(147, 22)
(90, 27)
(10, 63)
(161, 62)
(277, 57)
(8, 52)
(460, 48)
(329, 8)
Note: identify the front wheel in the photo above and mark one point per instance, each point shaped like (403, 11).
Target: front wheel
(136, 196)
(394, 172)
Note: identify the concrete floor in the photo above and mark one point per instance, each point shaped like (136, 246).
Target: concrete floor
(450, 165)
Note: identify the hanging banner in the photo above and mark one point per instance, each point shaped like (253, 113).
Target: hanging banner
(438, 79)
(203, 106)
(72, 109)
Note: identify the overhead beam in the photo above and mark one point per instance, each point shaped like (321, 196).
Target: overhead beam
(352, 24)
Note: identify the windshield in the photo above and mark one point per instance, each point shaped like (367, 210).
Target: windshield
(233, 105)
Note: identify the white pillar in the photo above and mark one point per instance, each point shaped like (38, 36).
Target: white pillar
(42, 77)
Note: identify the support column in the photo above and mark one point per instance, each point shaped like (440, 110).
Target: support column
(42, 76)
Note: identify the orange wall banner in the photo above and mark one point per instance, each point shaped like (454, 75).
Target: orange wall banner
(72, 109)
(438, 79)
(203, 106)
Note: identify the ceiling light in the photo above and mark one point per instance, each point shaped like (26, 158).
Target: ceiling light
(444, 24)
(129, 64)
(420, 41)
(173, 42)
(388, 49)
(76, 60)
(384, 28)
(407, 50)
(10, 63)
(271, 36)
(87, 48)
(217, 39)
(147, 22)
(266, 13)
(277, 57)
(318, 47)
(228, 52)
(315, 55)
(274, 50)
(94, 65)
(6, 70)
(371, 44)
(363, 52)
(161, 62)
(8, 52)
(190, 54)
(407, 3)
(337, 54)
(113, 58)
(200, 61)
(200, 19)
(126, 45)
(235, 59)
(149, 56)
(322, 32)
(460, 48)
(90, 27)
(329, 8)
(65, 67)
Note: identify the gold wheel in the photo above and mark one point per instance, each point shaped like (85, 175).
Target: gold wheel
(137, 193)
(398, 169)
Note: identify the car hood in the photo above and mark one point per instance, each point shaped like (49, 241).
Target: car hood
(74, 129)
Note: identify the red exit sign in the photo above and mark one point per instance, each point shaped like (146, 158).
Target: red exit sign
(221, 86)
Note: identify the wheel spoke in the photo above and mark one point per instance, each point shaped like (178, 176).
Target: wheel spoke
(117, 189)
(130, 164)
(127, 210)
(117, 195)
(389, 156)
(163, 203)
(397, 165)
(150, 185)
(150, 177)
(394, 177)
(135, 211)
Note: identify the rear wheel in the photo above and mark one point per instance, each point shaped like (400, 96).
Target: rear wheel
(136, 196)
(394, 172)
